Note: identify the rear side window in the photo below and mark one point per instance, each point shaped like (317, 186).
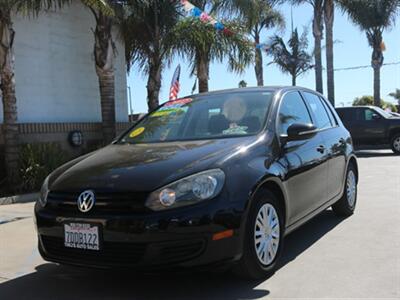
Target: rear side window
(342, 114)
(330, 114)
(292, 110)
(346, 115)
(359, 114)
(322, 119)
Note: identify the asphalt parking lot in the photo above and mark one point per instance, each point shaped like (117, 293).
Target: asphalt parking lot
(358, 257)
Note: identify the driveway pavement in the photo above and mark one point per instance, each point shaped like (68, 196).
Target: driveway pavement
(358, 257)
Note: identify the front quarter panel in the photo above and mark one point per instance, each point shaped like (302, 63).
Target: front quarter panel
(249, 169)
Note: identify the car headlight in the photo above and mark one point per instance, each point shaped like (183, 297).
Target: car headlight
(187, 191)
(44, 192)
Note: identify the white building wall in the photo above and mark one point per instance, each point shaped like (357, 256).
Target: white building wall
(55, 73)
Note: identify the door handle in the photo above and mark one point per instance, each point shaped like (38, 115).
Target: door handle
(321, 148)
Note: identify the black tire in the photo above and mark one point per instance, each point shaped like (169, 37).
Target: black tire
(393, 142)
(345, 206)
(249, 266)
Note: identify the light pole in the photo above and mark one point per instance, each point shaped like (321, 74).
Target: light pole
(130, 100)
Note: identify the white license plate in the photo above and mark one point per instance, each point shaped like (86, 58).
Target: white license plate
(81, 236)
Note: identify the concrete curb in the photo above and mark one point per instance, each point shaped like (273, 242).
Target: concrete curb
(19, 199)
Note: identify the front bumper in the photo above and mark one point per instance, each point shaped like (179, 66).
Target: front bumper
(179, 238)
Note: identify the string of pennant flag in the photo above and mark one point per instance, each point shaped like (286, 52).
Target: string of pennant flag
(196, 12)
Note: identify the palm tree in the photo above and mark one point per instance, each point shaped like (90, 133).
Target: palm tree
(294, 60)
(373, 17)
(396, 95)
(242, 84)
(329, 14)
(259, 15)
(318, 28)
(104, 54)
(201, 44)
(7, 75)
(149, 37)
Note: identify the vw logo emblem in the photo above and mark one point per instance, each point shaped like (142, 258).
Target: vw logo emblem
(86, 201)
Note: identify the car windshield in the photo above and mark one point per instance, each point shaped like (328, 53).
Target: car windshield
(384, 113)
(203, 117)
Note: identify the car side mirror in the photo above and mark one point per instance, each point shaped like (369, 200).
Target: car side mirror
(300, 131)
(376, 117)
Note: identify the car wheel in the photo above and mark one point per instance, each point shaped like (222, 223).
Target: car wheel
(395, 143)
(347, 204)
(263, 240)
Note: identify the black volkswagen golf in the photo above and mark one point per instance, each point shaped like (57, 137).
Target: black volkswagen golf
(216, 178)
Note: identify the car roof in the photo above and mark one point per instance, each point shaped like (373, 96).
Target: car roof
(358, 106)
(274, 89)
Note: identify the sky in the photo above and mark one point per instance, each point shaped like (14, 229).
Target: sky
(350, 49)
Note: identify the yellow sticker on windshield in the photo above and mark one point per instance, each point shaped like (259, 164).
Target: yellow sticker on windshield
(136, 132)
(167, 112)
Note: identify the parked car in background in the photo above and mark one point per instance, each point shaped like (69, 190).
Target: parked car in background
(372, 126)
(213, 178)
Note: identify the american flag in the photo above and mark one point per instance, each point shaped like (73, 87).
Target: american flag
(175, 86)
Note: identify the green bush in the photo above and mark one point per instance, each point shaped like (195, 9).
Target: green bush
(37, 161)
(369, 100)
(392, 106)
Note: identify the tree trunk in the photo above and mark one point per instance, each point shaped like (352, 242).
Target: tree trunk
(376, 63)
(10, 126)
(377, 86)
(329, 11)
(317, 33)
(153, 84)
(258, 67)
(293, 80)
(203, 66)
(104, 59)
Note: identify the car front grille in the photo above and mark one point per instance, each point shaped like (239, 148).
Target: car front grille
(126, 254)
(119, 203)
(111, 253)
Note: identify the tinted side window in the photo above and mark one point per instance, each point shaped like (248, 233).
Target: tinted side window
(322, 119)
(362, 114)
(292, 110)
(330, 114)
(366, 114)
(344, 116)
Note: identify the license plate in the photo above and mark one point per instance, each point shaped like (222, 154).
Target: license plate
(81, 236)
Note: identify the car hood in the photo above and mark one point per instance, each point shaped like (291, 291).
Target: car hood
(142, 167)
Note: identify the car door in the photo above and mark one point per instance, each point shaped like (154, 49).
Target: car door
(304, 161)
(348, 117)
(334, 138)
(369, 126)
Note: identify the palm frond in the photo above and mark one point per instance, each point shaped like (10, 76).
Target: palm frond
(148, 31)
(369, 14)
(34, 7)
(199, 39)
(292, 57)
(103, 6)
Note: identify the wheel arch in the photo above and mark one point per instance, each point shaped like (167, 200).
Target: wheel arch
(393, 132)
(275, 186)
(353, 161)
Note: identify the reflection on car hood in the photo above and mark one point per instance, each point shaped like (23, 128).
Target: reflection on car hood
(142, 167)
